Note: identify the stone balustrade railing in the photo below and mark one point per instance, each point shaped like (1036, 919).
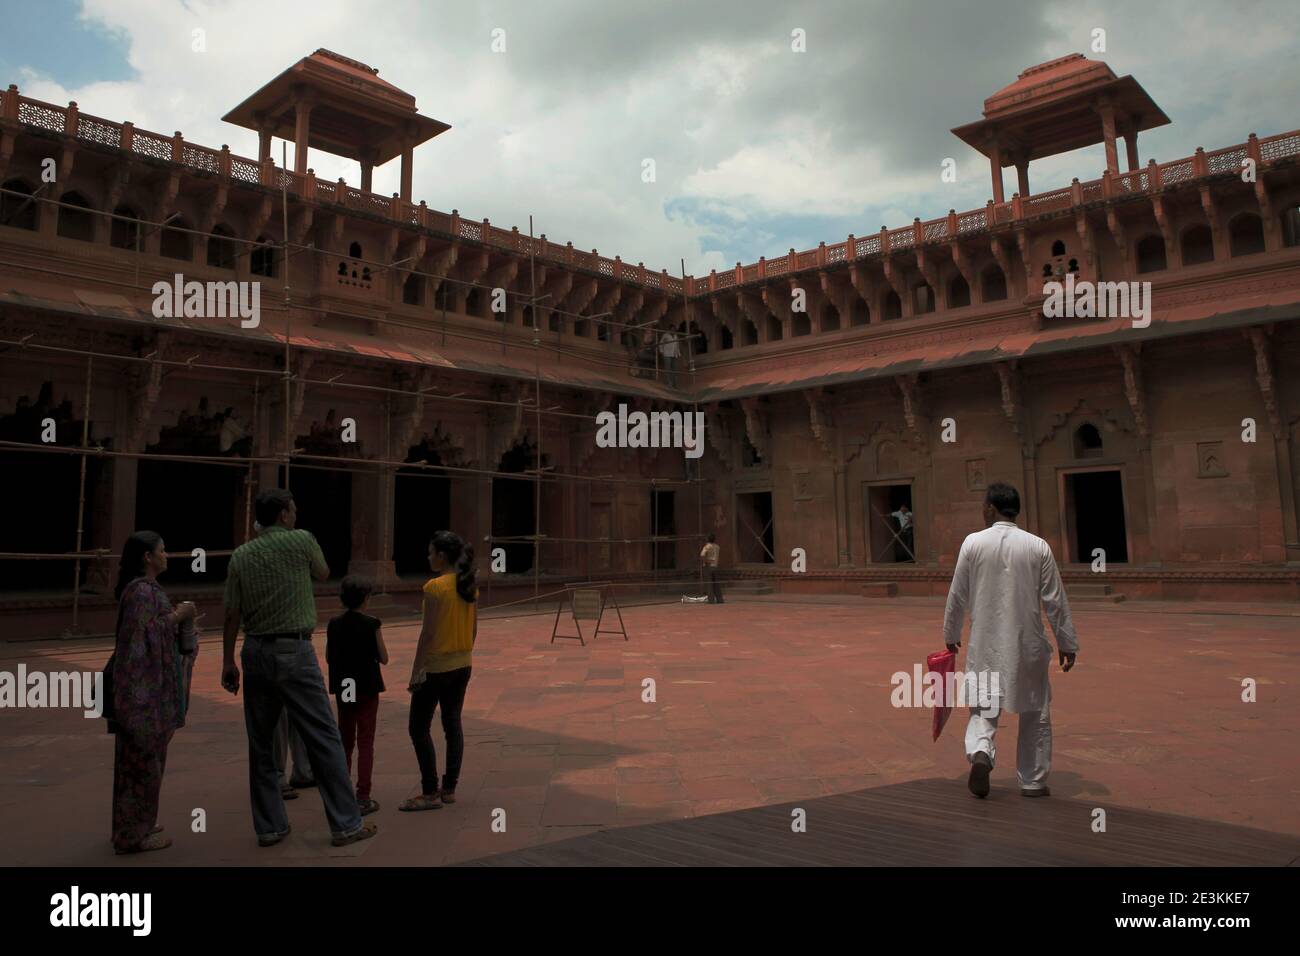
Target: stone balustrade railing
(68, 121)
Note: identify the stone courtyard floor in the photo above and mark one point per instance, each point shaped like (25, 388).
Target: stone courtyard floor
(759, 703)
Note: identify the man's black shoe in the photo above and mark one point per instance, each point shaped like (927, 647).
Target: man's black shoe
(980, 768)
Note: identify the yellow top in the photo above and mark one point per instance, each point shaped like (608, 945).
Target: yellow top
(453, 638)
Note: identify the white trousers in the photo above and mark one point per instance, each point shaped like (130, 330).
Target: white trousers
(1033, 743)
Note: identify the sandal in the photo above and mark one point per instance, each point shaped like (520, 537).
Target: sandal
(151, 842)
(421, 803)
(367, 806)
(447, 796)
(365, 833)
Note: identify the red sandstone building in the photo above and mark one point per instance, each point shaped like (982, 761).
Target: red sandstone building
(400, 354)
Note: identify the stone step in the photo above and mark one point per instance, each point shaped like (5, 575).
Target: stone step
(748, 587)
(1089, 587)
(879, 589)
(1093, 592)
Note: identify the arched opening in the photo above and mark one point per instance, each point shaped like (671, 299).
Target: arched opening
(324, 501)
(514, 507)
(922, 299)
(76, 218)
(800, 324)
(1058, 247)
(261, 262)
(727, 340)
(1087, 441)
(693, 340)
(527, 313)
(830, 318)
(221, 248)
(354, 250)
(859, 313)
(748, 332)
(1291, 225)
(774, 331)
(1151, 254)
(993, 284)
(17, 211)
(1198, 245)
(474, 301)
(413, 290)
(422, 505)
(124, 233)
(43, 522)
(958, 293)
(893, 306)
(1245, 235)
(175, 242)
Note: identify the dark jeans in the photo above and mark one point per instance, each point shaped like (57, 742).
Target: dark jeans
(357, 725)
(715, 589)
(446, 690)
(279, 675)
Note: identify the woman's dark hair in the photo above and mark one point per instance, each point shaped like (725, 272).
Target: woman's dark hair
(270, 504)
(354, 590)
(461, 557)
(133, 552)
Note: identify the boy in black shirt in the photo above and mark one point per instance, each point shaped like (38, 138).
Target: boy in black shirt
(354, 649)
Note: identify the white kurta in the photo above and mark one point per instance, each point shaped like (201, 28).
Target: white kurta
(1002, 575)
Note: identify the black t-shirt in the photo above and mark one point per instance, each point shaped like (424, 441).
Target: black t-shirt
(352, 650)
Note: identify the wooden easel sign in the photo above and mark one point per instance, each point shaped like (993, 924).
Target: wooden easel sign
(588, 604)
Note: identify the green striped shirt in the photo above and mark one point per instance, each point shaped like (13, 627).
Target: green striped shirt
(269, 581)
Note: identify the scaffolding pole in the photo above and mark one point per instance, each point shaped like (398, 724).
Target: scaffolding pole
(81, 498)
(537, 378)
(699, 437)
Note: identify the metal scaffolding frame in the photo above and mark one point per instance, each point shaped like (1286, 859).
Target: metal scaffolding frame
(287, 458)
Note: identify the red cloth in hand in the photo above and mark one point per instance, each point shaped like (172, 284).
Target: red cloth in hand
(943, 664)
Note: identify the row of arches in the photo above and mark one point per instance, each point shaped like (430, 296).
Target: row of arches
(77, 220)
(1196, 244)
(830, 318)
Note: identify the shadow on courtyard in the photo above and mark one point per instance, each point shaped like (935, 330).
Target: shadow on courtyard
(928, 822)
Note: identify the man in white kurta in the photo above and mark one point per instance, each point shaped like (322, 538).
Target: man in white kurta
(1004, 577)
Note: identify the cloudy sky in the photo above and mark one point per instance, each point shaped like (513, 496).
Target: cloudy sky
(756, 147)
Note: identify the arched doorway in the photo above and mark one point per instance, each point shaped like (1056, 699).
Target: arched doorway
(422, 505)
(514, 510)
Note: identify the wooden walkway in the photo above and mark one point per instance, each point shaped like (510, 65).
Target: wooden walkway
(921, 823)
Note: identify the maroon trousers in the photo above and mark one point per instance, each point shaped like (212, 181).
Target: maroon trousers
(357, 726)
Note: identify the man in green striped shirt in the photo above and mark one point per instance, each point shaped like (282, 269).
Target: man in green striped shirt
(269, 591)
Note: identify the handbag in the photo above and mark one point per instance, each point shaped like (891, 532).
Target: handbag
(106, 705)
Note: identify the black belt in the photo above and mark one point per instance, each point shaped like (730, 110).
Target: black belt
(286, 635)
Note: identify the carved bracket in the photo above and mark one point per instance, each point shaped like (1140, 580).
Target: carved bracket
(1012, 405)
(1129, 357)
(913, 412)
(1261, 340)
(821, 420)
(756, 426)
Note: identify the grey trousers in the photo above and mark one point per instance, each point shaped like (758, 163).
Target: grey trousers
(284, 675)
(287, 740)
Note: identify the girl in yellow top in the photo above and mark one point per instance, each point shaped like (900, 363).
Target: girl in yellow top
(440, 672)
